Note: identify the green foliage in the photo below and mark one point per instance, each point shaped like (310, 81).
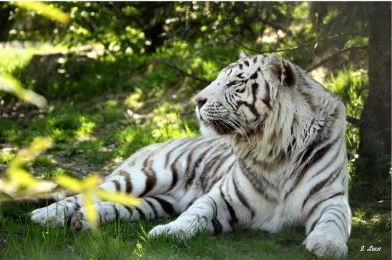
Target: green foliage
(352, 87)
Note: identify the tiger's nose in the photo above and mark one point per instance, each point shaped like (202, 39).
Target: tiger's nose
(200, 101)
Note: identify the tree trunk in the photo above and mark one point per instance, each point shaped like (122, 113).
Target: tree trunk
(375, 129)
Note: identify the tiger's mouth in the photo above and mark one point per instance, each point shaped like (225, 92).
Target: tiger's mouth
(219, 126)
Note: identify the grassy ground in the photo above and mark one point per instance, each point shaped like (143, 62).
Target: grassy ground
(94, 133)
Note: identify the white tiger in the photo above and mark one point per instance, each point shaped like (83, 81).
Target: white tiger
(276, 157)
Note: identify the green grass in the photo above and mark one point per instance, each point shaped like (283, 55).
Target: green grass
(21, 239)
(92, 132)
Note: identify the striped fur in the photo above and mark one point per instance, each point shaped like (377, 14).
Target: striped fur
(273, 154)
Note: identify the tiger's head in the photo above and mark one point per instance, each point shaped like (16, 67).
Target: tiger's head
(243, 96)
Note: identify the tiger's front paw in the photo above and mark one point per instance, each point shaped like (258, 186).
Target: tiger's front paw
(176, 228)
(79, 221)
(322, 244)
(53, 215)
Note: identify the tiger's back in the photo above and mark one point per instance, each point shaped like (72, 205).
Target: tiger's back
(183, 168)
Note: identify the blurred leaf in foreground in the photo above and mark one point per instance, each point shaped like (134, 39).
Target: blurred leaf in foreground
(89, 190)
(18, 181)
(44, 9)
(9, 84)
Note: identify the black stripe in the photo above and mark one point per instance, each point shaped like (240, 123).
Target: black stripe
(233, 216)
(343, 221)
(217, 226)
(100, 216)
(267, 99)
(258, 185)
(117, 185)
(150, 174)
(152, 207)
(250, 106)
(330, 162)
(215, 222)
(129, 211)
(116, 213)
(128, 183)
(310, 212)
(222, 160)
(336, 210)
(141, 214)
(173, 163)
(246, 63)
(320, 185)
(231, 166)
(310, 161)
(242, 198)
(150, 183)
(215, 170)
(253, 76)
(166, 206)
(194, 166)
(174, 176)
(259, 178)
(184, 142)
(232, 83)
(333, 221)
(209, 164)
(233, 101)
(267, 89)
(229, 102)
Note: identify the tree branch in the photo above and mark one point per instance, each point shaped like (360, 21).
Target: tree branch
(183, 72)
(309, 44)
(355, 122)
(333, 55)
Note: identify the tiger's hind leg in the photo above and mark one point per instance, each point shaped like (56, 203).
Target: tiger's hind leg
(131, 180)
(151, 207)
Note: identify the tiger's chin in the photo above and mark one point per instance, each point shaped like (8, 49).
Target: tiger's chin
(215, 127)
(205, 130)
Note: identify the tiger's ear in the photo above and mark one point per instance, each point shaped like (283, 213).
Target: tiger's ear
(281, 69)
(242, 55)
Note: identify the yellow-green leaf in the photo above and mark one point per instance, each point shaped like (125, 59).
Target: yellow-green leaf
(44, 9)
(9, 84)
(91, 212)
(119, 197)
(69, 183)
(91, 181)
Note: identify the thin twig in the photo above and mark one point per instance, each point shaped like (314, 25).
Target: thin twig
(291, 48)
(333, 55)
(183, 71)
